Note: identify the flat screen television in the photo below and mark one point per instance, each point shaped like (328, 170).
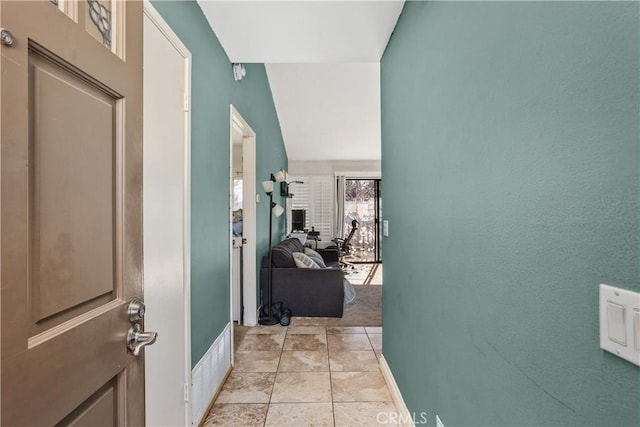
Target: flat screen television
(298, 219)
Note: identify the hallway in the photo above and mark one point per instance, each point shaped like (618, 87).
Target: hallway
(304, 375)
(504, 139)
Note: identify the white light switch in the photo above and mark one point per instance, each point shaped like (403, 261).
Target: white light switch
(385, 228)
(616, 323)
(636, 329)
(620, 322)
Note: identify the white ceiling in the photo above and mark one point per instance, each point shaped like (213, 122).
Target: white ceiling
(328, 111)
(322, 60)
(302, 30)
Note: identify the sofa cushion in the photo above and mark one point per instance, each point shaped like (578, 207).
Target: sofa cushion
(310, 252)
(295, 244)
(281, 257)
(303, 261)
(318, 261)
(282, 253)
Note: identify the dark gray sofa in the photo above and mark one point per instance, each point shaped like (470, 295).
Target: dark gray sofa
(305, 291)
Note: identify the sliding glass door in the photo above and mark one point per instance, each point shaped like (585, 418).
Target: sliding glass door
(362, 203)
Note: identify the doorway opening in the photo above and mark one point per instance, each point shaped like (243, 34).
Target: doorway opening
(242, 220)
(237, 223)
(362, 202)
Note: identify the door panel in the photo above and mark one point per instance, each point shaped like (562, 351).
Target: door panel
(72, 257)
(71, 224)
(97, 411)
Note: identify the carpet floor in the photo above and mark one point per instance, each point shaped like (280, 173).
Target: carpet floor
(366, 310)
(365, 274)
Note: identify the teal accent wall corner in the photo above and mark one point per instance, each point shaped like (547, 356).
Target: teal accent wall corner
(213, 90)
(510, 156)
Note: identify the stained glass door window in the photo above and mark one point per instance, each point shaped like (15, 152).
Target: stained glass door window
(99, 21)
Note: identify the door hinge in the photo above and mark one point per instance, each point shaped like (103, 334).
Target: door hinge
(186, 102)
(186, 392)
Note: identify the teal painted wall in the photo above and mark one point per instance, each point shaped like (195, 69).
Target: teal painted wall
(213, 90)
(510, 156)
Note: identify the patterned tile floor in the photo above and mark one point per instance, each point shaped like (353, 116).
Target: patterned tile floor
(304, 376)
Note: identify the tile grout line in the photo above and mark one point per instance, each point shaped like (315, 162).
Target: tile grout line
(275, 378)
(333, 408)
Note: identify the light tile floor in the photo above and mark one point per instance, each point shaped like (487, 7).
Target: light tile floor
(304, 376)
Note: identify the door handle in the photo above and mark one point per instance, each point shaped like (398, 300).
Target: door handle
(137, 339)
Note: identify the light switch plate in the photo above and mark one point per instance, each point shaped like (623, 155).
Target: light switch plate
(385, 228)
(616, 323)
(636, 329)
(620, 322)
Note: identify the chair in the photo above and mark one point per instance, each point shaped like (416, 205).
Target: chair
(344, 245)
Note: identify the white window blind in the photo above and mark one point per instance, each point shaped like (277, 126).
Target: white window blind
(316, 197)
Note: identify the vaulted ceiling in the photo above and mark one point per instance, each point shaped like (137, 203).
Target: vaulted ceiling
(322, 60)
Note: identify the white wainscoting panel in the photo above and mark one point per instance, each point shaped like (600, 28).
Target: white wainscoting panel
(208, 374)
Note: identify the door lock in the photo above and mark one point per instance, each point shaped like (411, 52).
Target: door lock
(135, 311)
(6, 38)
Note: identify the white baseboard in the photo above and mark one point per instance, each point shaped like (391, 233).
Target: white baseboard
(404, 415)
(209, 373)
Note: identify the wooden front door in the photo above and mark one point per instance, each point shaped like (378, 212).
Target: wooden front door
(71, 218)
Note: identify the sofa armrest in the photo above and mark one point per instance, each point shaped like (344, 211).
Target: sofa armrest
(307, 291)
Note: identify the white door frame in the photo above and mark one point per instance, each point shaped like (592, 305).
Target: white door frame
(167, 32)
(248, 218)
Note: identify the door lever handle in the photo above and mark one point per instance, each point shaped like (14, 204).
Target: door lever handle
(137, 339)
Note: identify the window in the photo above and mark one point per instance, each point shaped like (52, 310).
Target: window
(315, 196)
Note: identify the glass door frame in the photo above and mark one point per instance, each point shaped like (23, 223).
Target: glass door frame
(377, 215)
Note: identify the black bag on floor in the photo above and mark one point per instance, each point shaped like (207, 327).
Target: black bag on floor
(286, 317)
(277, 311)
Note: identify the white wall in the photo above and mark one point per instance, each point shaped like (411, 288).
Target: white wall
(330, 167)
